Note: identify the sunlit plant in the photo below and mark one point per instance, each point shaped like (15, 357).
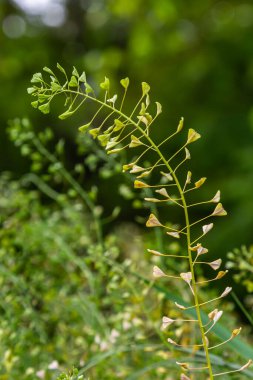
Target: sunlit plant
(169, 183)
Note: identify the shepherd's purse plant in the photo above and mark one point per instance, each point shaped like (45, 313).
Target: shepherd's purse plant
(169, 184)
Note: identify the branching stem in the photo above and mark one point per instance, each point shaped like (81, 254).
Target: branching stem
(184, 203)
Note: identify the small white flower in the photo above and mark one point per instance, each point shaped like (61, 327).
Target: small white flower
(126, 325)
(29, 371)
(41, 374)
(97, 339)
(166, 322)
(53, 365)
(104, 346)
(113, 336)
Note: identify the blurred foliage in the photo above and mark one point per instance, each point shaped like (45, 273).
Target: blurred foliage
(198, 59)
(72, 294)
(71, 375)
(241, 262)
(59, 291)
(64, 299)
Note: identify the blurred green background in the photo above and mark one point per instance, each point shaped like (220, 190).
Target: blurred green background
(197, 57)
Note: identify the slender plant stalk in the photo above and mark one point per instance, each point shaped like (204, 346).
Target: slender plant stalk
(135, 131)
(188, 247)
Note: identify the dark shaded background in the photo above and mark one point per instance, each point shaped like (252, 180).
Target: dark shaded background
(197, 57)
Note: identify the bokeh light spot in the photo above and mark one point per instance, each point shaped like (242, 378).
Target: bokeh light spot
(55, 16)
(14, 26)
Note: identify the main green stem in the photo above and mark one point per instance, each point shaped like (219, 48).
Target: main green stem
(188, 233)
